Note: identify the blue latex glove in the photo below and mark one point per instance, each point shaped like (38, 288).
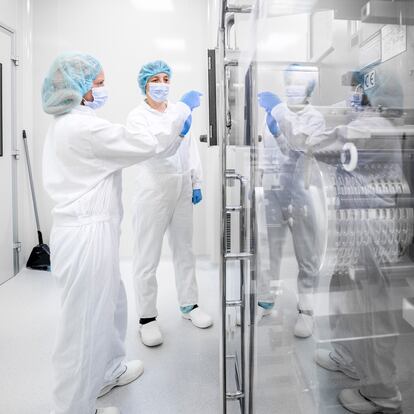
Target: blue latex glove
(272, 125)
(192, 99)
(187, 126)
(268, 100)
(197, 196)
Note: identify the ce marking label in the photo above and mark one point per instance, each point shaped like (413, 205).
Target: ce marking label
(369, 80)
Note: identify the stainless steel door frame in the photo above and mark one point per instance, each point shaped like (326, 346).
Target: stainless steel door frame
(15, 152)
(244, 254)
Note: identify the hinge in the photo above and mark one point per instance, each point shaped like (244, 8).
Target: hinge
(16, 154)
(17, 246)
(16, 61)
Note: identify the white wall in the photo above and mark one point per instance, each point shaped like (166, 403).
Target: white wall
(123, 35)
(17, 15)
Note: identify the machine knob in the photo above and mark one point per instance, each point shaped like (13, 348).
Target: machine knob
(349, 157)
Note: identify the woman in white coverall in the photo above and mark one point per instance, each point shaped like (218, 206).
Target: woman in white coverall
(82, 162)
(166, 189)
(289, 129)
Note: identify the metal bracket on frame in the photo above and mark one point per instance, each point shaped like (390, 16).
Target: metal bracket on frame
(16, 154)
(242, 256)
(240, 9)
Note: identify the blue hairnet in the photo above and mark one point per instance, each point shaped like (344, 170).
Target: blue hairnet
(306, 73)
(151, 69)
(70, 77)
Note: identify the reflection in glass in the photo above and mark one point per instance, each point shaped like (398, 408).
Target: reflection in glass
(335, 226)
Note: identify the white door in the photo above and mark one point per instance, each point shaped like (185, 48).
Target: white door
(6, 187)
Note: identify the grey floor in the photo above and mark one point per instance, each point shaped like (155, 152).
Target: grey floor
(288, 381)
(182, 376)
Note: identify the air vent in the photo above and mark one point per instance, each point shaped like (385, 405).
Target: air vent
(228, 233)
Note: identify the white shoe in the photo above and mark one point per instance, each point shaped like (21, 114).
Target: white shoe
(328, 360)
(303, 326)
(133, 370)
(353, 400)
(260, 314)
(108, 410)
(199, 318)
(151, 334)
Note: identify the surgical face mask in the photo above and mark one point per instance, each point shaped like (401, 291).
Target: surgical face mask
(296, 94)
(100, 96)
(158, 91)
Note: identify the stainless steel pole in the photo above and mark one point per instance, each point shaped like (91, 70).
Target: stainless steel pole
(29, 168)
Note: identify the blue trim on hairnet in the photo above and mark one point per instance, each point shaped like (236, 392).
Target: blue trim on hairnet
(151, 69)
(69, 78)
(297, 67)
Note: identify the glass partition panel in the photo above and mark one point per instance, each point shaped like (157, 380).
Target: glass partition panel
(333, 139)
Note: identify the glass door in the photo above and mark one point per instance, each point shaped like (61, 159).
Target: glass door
(323, 122)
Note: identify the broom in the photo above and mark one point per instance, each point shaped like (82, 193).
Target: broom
(39, 258)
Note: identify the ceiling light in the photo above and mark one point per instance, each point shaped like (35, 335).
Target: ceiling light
(153, 5)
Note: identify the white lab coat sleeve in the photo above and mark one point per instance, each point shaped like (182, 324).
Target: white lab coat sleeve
(118, 146)
(195, 164)
(269, 138)
(298, 128)
(168, 141)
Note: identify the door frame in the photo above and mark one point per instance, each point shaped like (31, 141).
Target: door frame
(5, 29)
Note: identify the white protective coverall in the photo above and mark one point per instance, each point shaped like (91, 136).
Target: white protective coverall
(279, 162)
(82, 162)
(164, 202)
